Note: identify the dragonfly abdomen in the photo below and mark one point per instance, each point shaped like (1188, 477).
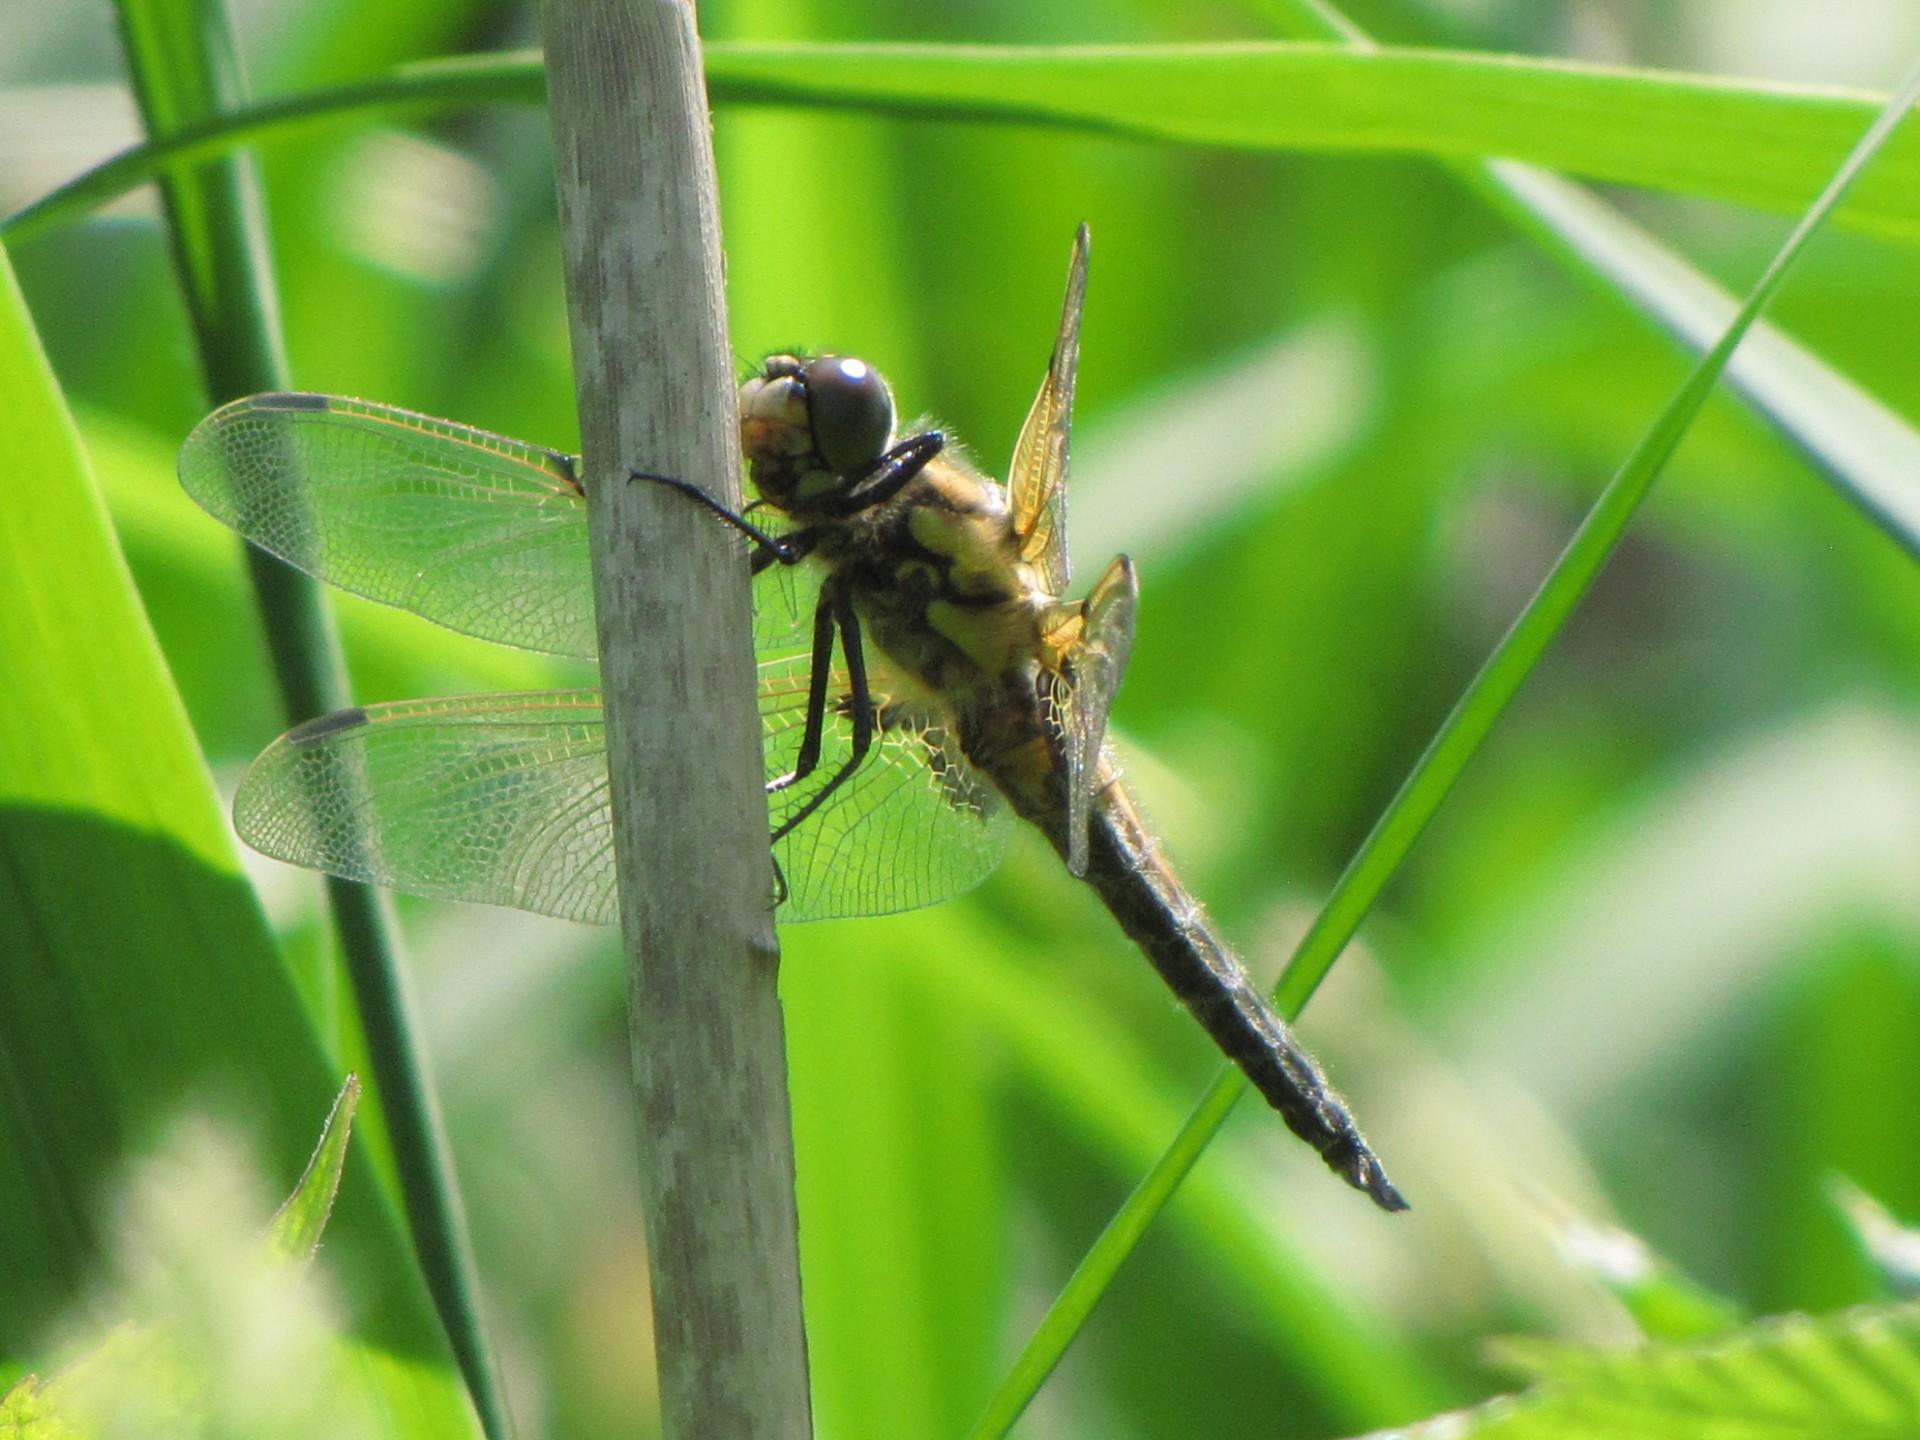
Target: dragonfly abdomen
(1155, 909)
(1006, 737)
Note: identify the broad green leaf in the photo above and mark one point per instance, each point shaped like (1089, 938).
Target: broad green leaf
(27, 1414)
(136, 972)
(1855, 1374)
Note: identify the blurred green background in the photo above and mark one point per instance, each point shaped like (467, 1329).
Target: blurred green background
(1658, 963)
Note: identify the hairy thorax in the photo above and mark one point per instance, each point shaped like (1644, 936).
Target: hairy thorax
(936, 577)
(941, 590)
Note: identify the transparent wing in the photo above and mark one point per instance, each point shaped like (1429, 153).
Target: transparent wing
(784, 598)
(502, 799)
(1037, 483)
(478, 532)
(496, 798)
(1086, 644)
(916, 823)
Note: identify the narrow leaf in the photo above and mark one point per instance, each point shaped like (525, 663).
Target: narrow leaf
(298, 1224)
(1400, 825)
(137, 970)
(1749, 143)
(1745, 142)
(1764, 145)
(1867, 451)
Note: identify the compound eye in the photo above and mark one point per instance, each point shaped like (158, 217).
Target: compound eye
(852, 412)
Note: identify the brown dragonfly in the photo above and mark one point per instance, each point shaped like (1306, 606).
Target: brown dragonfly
(922, 679)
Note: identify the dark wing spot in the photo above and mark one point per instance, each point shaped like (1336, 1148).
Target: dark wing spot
(322, 726)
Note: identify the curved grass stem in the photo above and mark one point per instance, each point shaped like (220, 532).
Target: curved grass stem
(184, 68)
(1433, 776)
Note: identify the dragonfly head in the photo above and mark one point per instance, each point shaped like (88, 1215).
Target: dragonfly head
(812, 429)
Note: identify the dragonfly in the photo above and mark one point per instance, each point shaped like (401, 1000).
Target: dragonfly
(923, 682)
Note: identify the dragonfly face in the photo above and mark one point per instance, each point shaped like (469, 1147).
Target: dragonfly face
(920, 674)
(811, 429)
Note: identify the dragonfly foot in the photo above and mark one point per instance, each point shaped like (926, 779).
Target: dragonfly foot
(782, 550)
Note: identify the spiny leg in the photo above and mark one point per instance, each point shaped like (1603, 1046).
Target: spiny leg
(817, 680)
(889, 474)
(860, 702)
(767, 548)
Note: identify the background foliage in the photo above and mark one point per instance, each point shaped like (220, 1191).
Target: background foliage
(1658, 963)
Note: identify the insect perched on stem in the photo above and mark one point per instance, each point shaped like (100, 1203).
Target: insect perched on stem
(911, 620)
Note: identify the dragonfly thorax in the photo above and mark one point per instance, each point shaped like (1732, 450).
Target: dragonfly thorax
(813, 429)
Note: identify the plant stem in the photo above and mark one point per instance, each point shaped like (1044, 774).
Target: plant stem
(654, 373)
(185, 72)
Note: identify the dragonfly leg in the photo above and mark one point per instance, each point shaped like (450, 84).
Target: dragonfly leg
(860, 702)
(888, 475)
(768, 548)
(822, 672)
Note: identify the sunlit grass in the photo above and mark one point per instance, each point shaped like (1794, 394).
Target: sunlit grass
(1654, 958)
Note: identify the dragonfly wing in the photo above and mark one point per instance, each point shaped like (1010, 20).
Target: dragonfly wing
(478, 532)
(502, 799)
(1037, 483)
(1087, 645)
(914, 825)
(495, 798)
(784, 599)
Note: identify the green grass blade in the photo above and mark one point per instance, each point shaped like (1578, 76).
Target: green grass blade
(1103, 1260)
(1868, 451)
(463, 83)
(137, 975)
(1499, 679)
(1393, 835)
(1094, 1078)
(184, 68)
(1747, 143)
